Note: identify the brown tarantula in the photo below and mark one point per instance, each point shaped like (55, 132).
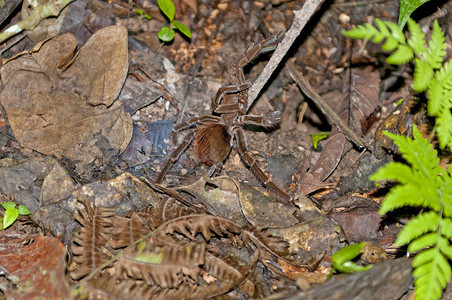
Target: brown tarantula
(214, 134)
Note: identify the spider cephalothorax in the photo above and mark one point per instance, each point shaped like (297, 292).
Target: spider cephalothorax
(214, 134)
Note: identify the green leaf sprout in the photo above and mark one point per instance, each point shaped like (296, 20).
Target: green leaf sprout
(317, 137)
(12, 213)
(168, 8)
(166, 34)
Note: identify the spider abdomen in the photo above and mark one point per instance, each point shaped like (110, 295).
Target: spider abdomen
(213, 143)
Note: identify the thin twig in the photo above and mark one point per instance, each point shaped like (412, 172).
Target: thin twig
(301, 18)
(309, 91)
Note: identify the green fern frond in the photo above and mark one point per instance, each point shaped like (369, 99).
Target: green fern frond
(446, 194)
(432, 277)
(392, 36)
(440, 90)
(429, 233)
(418, 226)
(391, 42)
(423, 74)
(440, 102)
(436, 47)
(397, 33)
(366, 31)
(444, 75)
(394, 171)
(417, 37)
(435, 93)
(427, 163)
(426, 241)
(446, 228)
(402, 55)
(444, 129)
(413, 195)
(444, 246)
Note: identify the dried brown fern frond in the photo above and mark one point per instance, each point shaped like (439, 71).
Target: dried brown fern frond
(108, 287)
(167, 267)
(227, 277)
(130, 229)
(207, 225)
(138, 224)
(89, 243)
(172, 208)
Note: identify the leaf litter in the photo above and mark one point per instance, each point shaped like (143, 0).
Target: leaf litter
(131, 239)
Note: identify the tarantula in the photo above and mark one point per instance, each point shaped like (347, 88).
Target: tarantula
(214, 134)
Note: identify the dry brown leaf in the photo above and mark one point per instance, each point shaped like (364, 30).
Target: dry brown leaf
(361, 96)
(35, 265)
(62, 106)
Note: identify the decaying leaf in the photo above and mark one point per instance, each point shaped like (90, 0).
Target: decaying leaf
(400, 122)
(62, 105)
(35, 265)
(227, 198)
(310, 240)
(21, 179)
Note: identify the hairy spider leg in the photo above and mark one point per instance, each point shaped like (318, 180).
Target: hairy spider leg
(271, 120)
(222, 104)
(175, 155)
(251, 163)
(229, 106)
(236, 75)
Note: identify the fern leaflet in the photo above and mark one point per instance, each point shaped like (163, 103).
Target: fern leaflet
(428, 185)
(444, 129)
(436, 47)
(417, 37)
(423, 74)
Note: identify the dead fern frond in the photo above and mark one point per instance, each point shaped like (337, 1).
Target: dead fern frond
(207, 225)
(130, 229)
(167, 267)
(227, 278)
(109, 287)
(89, 243)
